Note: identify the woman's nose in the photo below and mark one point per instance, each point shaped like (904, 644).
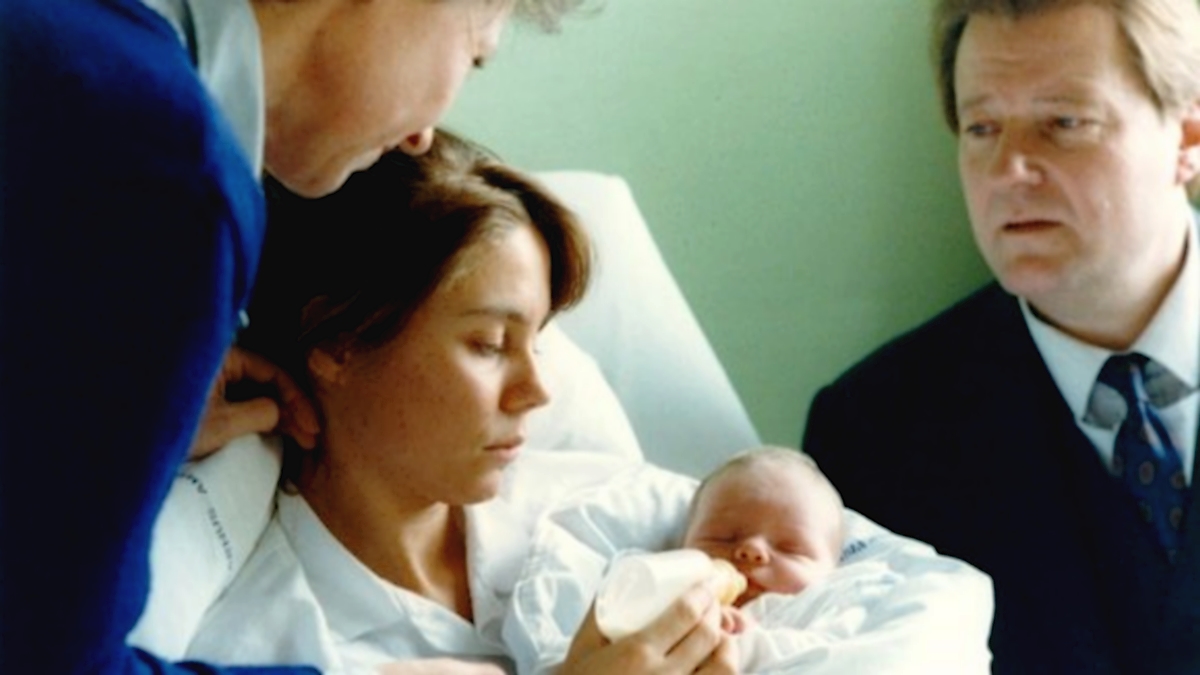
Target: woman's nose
(528, 391)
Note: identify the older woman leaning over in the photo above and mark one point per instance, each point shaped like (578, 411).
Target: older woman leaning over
(408, 305)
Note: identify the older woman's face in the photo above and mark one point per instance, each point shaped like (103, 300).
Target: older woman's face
(435, 415)
(377, 76)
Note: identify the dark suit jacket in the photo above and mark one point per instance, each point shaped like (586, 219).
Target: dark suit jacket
(956, 434)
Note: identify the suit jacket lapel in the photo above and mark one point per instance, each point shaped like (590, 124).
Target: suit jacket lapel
(1032, 448)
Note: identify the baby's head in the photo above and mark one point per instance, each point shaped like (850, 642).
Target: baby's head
(774, 515)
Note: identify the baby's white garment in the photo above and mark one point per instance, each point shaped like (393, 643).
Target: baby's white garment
(303, 598)
(787, 630)
(893, 606)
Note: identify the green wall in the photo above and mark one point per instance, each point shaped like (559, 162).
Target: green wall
(787, 154)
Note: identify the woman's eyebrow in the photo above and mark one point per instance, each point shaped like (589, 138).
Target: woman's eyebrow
(502, 312)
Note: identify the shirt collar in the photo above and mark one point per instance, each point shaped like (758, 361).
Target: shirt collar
(356, 601)
(223, 40)
(1172, 338)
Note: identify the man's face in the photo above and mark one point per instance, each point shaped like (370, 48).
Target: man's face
(1072, 175)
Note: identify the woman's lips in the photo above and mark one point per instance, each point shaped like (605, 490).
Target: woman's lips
(510, 444)
(1029, 226)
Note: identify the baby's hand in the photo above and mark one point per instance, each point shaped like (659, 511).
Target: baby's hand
(734, 621)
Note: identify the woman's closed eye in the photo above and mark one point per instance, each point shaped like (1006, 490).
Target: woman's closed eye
(488, 343)
(488, 348)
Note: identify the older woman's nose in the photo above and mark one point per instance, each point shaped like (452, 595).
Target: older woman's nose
(418, 143)
(751, 552)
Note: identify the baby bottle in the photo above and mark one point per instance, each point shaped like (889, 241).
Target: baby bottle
(639, 588)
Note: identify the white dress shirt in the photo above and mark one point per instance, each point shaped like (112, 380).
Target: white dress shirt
(1172, 339)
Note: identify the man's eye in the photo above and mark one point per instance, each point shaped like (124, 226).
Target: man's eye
(978, 129)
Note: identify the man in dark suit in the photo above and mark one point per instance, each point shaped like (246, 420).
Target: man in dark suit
(1014, 430)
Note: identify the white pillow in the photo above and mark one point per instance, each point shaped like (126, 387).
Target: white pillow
(583, 413)
(638, 326)
(214, 514)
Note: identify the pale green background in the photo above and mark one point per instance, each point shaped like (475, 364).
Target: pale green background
(788, 157)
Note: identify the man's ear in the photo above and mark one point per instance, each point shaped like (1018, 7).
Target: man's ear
(327, 368)
(1189, 146)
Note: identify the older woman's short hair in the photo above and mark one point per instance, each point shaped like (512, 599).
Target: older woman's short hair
(346, 271)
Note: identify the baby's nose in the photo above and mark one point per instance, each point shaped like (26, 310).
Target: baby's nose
(750, 552)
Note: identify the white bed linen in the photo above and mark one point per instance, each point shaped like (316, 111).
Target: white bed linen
(893, 606)
(302, 598)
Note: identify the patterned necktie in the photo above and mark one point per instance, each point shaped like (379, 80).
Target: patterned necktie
(1128, 393)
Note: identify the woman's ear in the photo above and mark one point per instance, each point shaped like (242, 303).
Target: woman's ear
(327, 368)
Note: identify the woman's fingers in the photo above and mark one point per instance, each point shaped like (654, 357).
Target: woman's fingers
(686, 639)
(282, 406)
(682, 617)
(723, 661)
(691, 630)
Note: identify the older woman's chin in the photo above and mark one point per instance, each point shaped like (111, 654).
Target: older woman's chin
(311, 177)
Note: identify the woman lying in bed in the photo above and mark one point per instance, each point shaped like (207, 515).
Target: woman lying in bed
(409, 304)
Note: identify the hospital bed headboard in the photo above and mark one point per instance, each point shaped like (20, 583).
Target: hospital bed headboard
(637, 325)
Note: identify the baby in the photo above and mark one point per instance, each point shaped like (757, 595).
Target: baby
(773, 515)
(827, 591)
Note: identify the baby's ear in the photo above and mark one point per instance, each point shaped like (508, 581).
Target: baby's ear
(327, 368)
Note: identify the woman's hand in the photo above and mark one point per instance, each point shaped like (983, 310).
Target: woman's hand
(686, 639)
(440, 667)
(734, 621)
(283, 406)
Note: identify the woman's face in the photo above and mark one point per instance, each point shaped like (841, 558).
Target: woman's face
(435, 415)
(377, 76)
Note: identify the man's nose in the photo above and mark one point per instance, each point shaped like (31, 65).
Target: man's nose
(1014, 160)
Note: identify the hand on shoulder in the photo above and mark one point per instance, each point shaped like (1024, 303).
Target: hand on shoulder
(287, 409)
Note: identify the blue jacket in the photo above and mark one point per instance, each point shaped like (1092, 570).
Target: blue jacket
(130, 227)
